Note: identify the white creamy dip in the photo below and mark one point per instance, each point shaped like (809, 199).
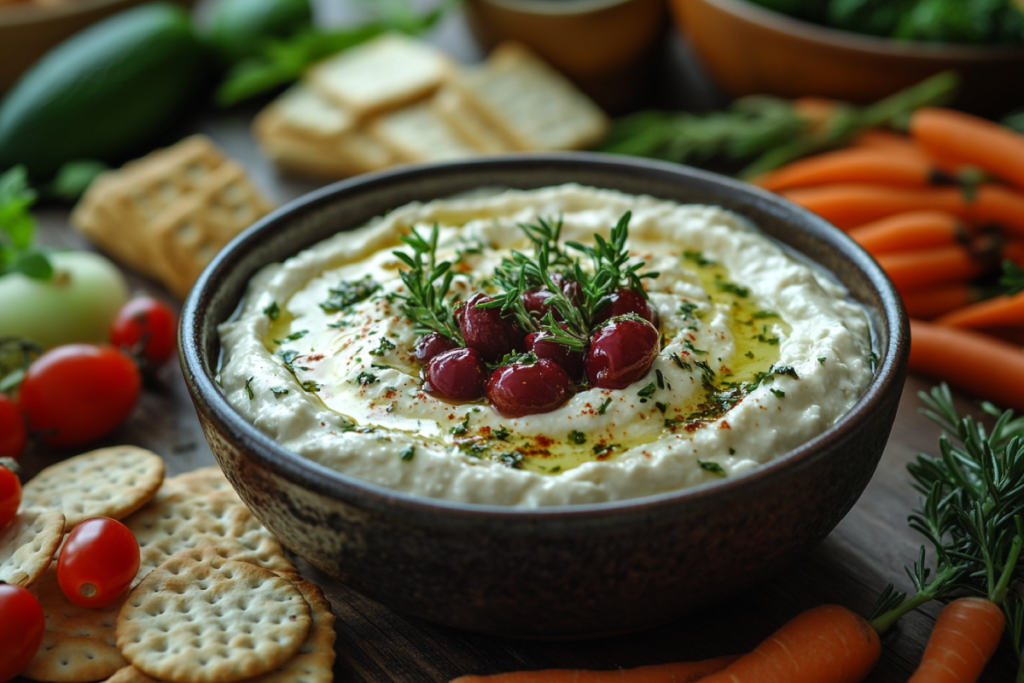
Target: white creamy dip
(343, 388)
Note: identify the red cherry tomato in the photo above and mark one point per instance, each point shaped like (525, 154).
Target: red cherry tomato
(145, 327)
(10, 497)
(98, 561)
(12, 429)
(76, 393)
(22, 625)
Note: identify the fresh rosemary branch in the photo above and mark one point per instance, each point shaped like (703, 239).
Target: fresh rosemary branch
(973, 497)
(18, 228)
(768, 132)
(425, 303)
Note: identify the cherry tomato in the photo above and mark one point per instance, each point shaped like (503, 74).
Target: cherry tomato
(22, 625)
(10, 497)
(76, 393)
(145, 327)
(98, 561)
(12, 429)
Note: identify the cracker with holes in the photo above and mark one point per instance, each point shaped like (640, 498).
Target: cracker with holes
(199, 618)
(200, 482)
(179, 519)
(79, 644)
(109, 482)
(28, 543)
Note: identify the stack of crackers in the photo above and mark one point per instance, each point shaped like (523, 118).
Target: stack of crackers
(215, 598)
(167, 214)
(396, 100)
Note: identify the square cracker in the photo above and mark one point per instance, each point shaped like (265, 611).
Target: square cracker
(417, 134)
(28, 543)
(108, 482)
(451, 105)
(304, 113)
(382, 74)
(350, 154)
(200, 618)
(79, 644)
(531, 104)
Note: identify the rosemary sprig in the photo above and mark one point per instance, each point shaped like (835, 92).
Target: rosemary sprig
(973, 497)
(1012, 279)
(425, 303)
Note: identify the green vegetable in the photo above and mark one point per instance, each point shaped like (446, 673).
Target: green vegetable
(106, 93)
(769, 131)
(77, 304)
(281, 62)
(18, 229)
(241, 28)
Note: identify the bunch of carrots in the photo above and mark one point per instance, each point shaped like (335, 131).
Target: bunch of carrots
(942, 210)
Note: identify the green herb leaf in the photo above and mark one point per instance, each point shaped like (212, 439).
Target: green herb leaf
(346, 294)
(407, 453)
(18, 228)
(712, 467)
(272, 311)
(577, 437)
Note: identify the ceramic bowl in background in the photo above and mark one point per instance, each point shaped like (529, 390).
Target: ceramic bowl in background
(607, 47)
(569, 571)
(752, 50)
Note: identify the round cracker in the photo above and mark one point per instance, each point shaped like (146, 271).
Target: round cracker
(201, 618)
(109, 482)
(28, 543)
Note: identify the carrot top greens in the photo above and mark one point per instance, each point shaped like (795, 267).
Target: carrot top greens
(973, 497)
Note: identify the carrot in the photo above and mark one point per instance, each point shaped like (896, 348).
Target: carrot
(680, 672)
(1014, 251)
(886, 167)
(963, 639)
(974, 362)
(930, 302)
(908, 231)
(910, 270)
(849, 205)
(877, 138)
(826, 644)
(971, 140)
(1001, 310)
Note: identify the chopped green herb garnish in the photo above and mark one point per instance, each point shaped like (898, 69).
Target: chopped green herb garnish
(513, 459)
(767, 340)
(760, 315)
(732, 288)
(501, 434)
(821, 359)
(647, 391)
(687, 309)
(577, 437)
(310, 385)
(248, 388)
(660, 378)
(407, 453)
(674, 422)
(662, 407)
(272, 311)
(367, 378)
(712, 467)
(732, 451)
(688, 345)
(292, 337)
(278, 392)
(604, 406)
(698, 258)
(383, 348)
(605, 449)
(679, 361)
(779, 393)
(749, 354)
(346, 294)
(461, 428)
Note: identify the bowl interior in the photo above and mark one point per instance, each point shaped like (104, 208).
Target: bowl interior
(352, 203)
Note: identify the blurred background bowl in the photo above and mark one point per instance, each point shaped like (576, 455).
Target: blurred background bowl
(556, 572)
(752, 50)
(29, 29)
(607, 47)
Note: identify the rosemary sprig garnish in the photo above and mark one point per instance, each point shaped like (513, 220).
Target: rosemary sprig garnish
(1012, 279)
(425, 303)
(973, 497)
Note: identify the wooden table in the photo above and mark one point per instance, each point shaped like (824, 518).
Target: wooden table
(866, 551)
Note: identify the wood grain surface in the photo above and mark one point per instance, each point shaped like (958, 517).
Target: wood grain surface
(866, 551)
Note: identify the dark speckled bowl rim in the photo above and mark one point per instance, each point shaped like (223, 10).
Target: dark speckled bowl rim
(372, 497)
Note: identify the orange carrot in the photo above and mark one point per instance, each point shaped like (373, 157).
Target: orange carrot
(885, 167)
(1001, 310)
(827, 644)
(963, 639)
(910, 270)
(908, 231)
(929, 302)
(849, 205)
(1014, 251)
(877, 138)
(680, 672)
(973, 362)
(971, 140)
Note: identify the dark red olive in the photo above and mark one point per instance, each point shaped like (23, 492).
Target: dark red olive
(456, 375)
(543, 347)
(626, 301)
(486, 331)
(518, 389)
(621, 352)
(430, 345)
(535, 301)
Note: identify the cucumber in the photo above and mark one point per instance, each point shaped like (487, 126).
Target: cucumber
(240, 28)
(106, 93)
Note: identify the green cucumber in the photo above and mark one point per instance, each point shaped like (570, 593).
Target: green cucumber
(106, 93)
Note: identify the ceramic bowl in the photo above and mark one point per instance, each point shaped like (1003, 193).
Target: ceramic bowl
(571, 571)
(752, 50)
(29, 29)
